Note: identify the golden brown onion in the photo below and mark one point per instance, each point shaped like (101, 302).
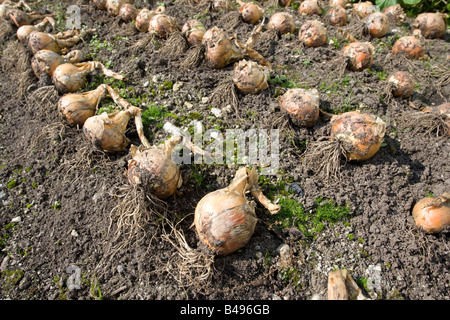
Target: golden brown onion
(360, 135)
(432, 214)
(250, 77)
(395, 13)
(41, 40)
(431, 25)
(163, 25)
(46, 61)
(363, 9)
(377, 24)
(75, 108)
(313, 33)
(21, 18)
(337, 16)
(193, 30)
(409, 46)
(24, 31)
(127, 12)
(113, 6)
(403, 84)
(309, 7)
(283, 22)
(224, 219)
(301, 105)
(69, 77)
(154, 168)
(250, 12)
(338, 3)
(359, 54)
(220, 49)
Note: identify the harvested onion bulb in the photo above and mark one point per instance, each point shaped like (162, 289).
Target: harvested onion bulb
(41, 40)
(338, 3)
(363, 9)
(24, 31)
(403, 84)
(410, 46)
(431, 25)
(250, 12)
(193, 30)
(360, 134)
(283, 22)
(220, 49)
(337, 16)
(359, 54)
(46, 61)
(224, 219)
(313, 33)
(250, 77)
(377, 24)
(432, 214)
(21, 18)
(154, 168)
(113, 6)
(301, 105)
(69, 77)
(309, 7)
(127, 12)
(163, 25)
(395, 13)
(76, 108)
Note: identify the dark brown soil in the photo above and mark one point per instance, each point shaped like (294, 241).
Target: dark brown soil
(57, 214)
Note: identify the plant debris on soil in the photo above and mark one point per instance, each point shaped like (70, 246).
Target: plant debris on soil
(59, 196)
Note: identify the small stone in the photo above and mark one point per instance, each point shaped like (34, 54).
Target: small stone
(16, 219)
(177, 86)
(4, 265)
(146, 84)
(227, 108)
(120, 268)
(188, 105)
(205, 100)
(216, 112)
(3, 195)
(74, 233)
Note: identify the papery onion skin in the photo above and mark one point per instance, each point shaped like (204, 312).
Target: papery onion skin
(41, 40)
(313, 33)
(432, 214)
(363, 9)
(377, 24)
(404, 84)
(395, 13)
(360, 135)
(250, 77)
(68, 77)
(431, 25)
(360, 55)
(155, 169)
(283, 22)
(302, 106)
(220, 49)
(142, 20)
(163, 25)
(127, 12)
(113, 6)
(251, 13)
(76, 108)
(410, 46)
(339, 3)
(46, 61)
(194, 31)
(24, 31)
(337, 16)
(309, 8)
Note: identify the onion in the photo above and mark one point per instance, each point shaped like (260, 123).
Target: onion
(163, 25)
(301, 105)
(193, 30)
(218, 5)
(113, 6)
(250, 12)
(377, 24)
(101, 4)
(250, 77)
(69, 77)
(359, 54)
(410, 46)
(285, 3)
(363, 9)
(395, 13)
(309, 7)
(20, 18)
(432, 25)
(220, 49)
(75, 108)
(338, 3)
(283, 22)
(41, 40)
(313, 33)
(46, 61)
(403, 84)
(224, 219)
(128, 12)
(432, 214)
(154, 168)
(359, 134)
(24, 31)
(337, 16)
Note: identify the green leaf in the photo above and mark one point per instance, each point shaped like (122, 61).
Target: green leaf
(385, 3)
(411, 2)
